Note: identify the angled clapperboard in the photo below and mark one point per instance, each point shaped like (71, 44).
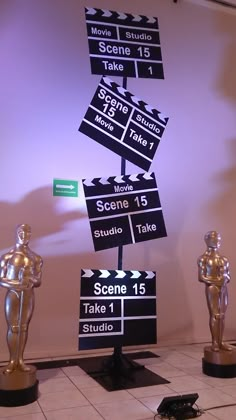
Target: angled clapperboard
(123, 210)
(124, 123)
(122, 44)
(114, 305)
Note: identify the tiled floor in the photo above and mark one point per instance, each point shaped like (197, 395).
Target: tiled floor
(70, 394)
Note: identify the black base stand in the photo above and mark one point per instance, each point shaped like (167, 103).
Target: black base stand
(15, 398)
(119, 372)
(218, 371)
(119, 365)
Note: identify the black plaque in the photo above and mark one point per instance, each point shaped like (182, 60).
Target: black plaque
(124, 123)
(123, 44)
(123, 210)
(117, 308)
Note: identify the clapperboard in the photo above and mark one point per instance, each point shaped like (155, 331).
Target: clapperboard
(122, 44)
(124, 123)
(117, 308)
(124, 209)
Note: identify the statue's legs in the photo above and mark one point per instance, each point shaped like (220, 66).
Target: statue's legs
(223, 306)
(18, 309)
(217, 301)
(215, 322)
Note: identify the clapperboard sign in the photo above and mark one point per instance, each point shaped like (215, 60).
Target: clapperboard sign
(124, 124)
(122, 44)
(123, 210)
(117, 308)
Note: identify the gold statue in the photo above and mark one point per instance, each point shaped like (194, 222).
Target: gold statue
(213, 270)
(20, 272)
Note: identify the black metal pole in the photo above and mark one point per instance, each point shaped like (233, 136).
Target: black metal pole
(123, 168)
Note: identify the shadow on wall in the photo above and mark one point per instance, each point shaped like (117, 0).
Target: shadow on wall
(39, 210)
(224, 205)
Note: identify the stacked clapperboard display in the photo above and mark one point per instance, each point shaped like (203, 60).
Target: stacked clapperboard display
(118, 307)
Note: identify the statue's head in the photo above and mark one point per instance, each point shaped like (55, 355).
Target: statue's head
(212, 239)
(23, 234)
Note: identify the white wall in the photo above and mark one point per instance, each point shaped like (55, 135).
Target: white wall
(46, 87)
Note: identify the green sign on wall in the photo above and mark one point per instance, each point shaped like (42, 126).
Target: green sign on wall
(65, 188)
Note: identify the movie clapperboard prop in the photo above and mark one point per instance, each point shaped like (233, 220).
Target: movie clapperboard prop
(124, 123)
(114, 305)
(124, 209)
(122, 44)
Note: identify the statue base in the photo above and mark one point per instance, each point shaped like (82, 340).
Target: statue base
(18, 387)
(219, 364)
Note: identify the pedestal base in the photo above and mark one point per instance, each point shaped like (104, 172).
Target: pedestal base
(15, 398)
(219, 364)
(18, 387)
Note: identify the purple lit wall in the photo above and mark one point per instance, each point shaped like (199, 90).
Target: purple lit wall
(46, 86)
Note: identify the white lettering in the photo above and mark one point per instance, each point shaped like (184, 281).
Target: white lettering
(101, 32)
(112, 101)
(108, 232)
(102, 93)
(113, 205)
(113, 65)
(121, 188)
(137, 137)
(148, 124)
(110, 289)
(94, 308)
(103, 123)
(142, 37)
(146, 228)
(104, 327)
(114, 49)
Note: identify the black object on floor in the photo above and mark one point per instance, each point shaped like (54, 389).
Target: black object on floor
(141, 355)
(118, 372)
(179, 407)
(18, 397)
(50, 364)
(122, 373)
(218, 371)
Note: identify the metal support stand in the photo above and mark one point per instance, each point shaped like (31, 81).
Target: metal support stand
(119, 364)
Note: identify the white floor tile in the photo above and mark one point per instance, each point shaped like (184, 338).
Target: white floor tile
(213, 397)
(149, 391)
(128, 410)
(60, 400)
(166, 370)
(54, 385)
(183, 384)
(17, 411)
(77, 413)
(49, 373)
(180, 360)
(230, 390)
(33, 416)
(224, 413)
(216, 382)
(98, 395)
(73, 371)
(84, 381)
